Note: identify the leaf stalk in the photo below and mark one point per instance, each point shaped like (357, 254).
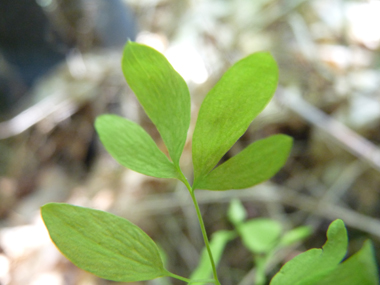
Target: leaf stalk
(202, 225)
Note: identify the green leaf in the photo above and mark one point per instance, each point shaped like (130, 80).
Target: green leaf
(254, 164)
(314, 264)
(359, 269)
(295, 235)
(260, 235)
(132, 147)
(217, 245)
(161, 91)
(104, 244)
(236, 212)
(229, 108)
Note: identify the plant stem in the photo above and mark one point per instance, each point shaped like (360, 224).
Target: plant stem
(260, 263)
(178, 277)
(187, 280)
(201, 223)
(205, 238)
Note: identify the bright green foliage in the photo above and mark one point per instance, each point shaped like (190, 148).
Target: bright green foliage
(263, 237)
(359, 269)
(161, 91)
(101, 243)
(314, 263)
(229, 108)
(224, 116)
(132, 147)
(236, 212)
(295, 235)
(256, 163)
(218, 243)
(115, 249)
(260, 235)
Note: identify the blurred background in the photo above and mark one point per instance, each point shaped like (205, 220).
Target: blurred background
(60, 68)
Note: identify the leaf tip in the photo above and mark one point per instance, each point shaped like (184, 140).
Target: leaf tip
(45, 207)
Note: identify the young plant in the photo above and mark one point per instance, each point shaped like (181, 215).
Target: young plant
(263, 237)
(112, 247)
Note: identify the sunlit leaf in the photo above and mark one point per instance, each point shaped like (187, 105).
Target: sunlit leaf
(255, 164)
(314, 264)
(229, 108)
(161, 91)
(132, 147)
(104, 244)
(359, 269)
(260, 235)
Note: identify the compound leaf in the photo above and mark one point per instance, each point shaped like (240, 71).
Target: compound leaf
(132, 147)
(229, 108)
(162, 93)
(253, 165)
(104, 244)
(314, 264)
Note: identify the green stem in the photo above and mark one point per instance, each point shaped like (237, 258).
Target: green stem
(178, 277)
(202, 281)
(187, 280)
(203, 229)
(205, 238)
(260, 277)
